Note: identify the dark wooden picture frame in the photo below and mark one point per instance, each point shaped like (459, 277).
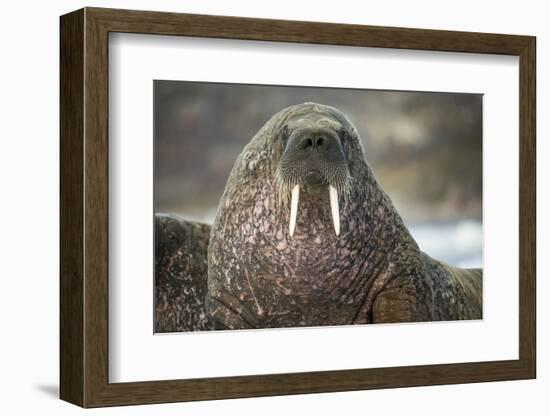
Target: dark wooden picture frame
(84, 207)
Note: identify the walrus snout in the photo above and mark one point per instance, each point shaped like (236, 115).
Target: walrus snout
(312, 156)
(313, 159)
(307, 144)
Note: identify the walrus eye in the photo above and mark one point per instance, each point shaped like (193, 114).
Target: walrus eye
(344, 135)
(283, 136)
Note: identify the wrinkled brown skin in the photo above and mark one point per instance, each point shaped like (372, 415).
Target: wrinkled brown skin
(373, 272)
(181, 271)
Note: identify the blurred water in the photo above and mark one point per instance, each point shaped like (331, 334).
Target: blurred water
(458, 243)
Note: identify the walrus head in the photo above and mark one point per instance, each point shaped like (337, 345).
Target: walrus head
(313, 158)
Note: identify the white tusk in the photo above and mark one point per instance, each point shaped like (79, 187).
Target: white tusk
(333, 193)
(294, 208)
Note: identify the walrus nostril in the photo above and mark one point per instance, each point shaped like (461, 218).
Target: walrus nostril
(313, 142)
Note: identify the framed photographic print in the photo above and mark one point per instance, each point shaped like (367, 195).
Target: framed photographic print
(256, 207)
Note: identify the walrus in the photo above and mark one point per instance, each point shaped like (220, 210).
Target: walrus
(181, 270)
(305, 236)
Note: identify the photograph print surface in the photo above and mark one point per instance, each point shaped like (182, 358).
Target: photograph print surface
(288, 206)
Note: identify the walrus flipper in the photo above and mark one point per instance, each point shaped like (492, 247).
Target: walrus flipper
(181, 274)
